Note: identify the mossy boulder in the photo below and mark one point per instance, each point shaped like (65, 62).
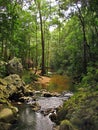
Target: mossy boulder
(3, 91)
(14, 66)
(11, 87)
(66, 125)
(8, 114)
(7, 117)
(14, 83)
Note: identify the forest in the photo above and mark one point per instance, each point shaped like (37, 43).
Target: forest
(56, 40)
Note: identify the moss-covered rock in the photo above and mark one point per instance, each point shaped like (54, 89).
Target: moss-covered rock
(66, 125)
(14, 66)
(8, 114)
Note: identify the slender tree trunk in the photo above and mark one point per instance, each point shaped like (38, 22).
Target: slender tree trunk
(42, 43)
(85, 46)
(2, 49)
(36, 65)
(85, 49)
(48, 57)
(5, 51)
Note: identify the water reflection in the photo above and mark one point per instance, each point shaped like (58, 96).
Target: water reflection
(29, 120)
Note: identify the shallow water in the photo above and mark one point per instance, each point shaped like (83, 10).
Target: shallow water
(30, 120)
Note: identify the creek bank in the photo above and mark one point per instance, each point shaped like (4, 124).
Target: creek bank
(9, 86)
(80, 112)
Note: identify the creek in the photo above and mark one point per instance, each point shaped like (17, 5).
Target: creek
(30, 120)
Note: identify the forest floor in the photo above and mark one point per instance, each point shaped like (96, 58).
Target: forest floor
(44, 80)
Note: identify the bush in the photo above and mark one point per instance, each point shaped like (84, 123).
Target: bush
(3, 70)
(59, 83)
(91, 79)
(29, 77)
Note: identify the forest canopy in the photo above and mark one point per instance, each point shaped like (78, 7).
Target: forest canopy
(57, 34)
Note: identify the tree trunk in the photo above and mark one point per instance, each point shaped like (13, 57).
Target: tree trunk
(42, 43)
(85, 46)
(85, 50)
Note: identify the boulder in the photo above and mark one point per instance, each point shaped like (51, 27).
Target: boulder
(14, 66)
(53, 117)
(6, 115)
(14, 83)
(47, 111)
(3, 91)
(35, 106)
(29, 93)
(47, 94)
(27, 99)
(55, 127)
(14, 87)
(66, 125)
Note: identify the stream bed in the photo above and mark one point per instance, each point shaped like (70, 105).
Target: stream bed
(30, 120)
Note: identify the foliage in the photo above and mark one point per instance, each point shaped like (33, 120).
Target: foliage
(68, 49)
(81, 110)
(90, 79)
(65, 124)
(3, 70)
(28, 77)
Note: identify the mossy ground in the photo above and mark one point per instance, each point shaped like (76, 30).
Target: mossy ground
(81, 110)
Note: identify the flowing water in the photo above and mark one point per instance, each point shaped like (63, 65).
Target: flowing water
(30, 120)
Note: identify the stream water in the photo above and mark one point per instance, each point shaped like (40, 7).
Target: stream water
(30, 120)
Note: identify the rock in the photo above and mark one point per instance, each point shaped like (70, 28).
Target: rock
(47, 111)
(15, 85)
(53, 117)
(37, 92)
(11, 88)
(15, 109)
(56, 127)
(3, 82)
(14, 80)
(55, 94)
(29, 100)
(29, 93)
(35, 106)
(6, 115)
(14, 66)
(67, 94)
(66, 125)
(47, 94)
(16, 96)
(3, 94)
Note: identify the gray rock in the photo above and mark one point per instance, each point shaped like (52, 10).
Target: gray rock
(47, 94)
(14, 66)
(14, 87)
